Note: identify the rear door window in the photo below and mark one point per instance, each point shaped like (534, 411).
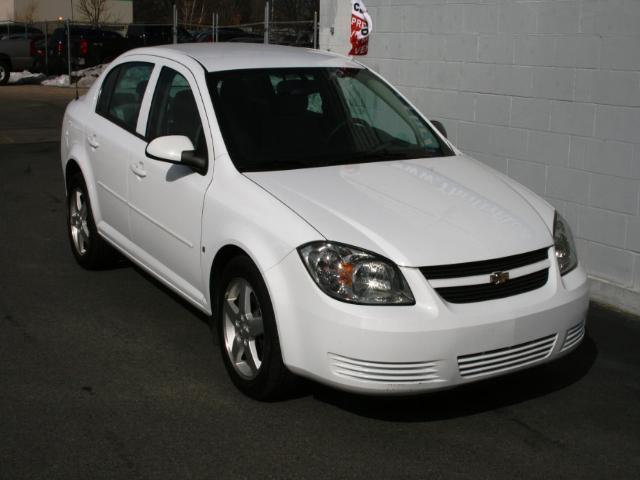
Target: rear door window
(123, 94)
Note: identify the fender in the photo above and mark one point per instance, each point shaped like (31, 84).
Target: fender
(250, 218)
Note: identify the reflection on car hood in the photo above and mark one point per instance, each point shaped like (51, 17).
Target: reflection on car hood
(415, 212)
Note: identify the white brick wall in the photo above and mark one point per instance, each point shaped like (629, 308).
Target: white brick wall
(546, 91)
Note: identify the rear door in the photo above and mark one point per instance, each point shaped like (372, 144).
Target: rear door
(166, 199)
(111, 140)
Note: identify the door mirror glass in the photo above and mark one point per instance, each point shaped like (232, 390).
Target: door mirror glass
(440, 127)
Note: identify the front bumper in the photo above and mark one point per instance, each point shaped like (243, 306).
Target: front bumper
(427, 346)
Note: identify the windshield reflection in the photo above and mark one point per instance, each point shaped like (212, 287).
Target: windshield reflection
(278, 119)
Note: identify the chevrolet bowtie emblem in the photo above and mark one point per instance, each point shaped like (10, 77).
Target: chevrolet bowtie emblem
(498, 278)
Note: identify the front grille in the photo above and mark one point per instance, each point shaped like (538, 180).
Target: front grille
(384, 372)
(483, 267)
(504, 359)
(574, 335)
(488, 291)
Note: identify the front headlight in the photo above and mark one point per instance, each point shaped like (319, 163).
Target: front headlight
(565, 248)
(354, 275)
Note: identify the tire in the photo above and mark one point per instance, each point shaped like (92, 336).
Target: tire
(90, 250)
(5, 72)
(247, 333)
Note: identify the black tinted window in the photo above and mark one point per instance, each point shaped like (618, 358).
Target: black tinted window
(111, 35)
(174, 111)
(310, 117)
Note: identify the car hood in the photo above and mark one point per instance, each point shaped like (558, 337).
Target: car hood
(416, 212)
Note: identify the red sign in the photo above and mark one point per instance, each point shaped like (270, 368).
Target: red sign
(361, 27)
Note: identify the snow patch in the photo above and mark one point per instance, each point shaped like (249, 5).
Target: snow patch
(84, 77)
(87, 76)
(26, 77)
(59, 81)
(91, 71)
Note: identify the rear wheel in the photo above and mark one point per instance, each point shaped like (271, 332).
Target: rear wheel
(89, 249)
(248, 335)
(5, 72)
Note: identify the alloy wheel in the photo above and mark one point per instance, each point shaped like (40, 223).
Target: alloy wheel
(243, 328)
(78, 214)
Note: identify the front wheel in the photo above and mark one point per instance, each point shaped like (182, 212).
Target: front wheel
(248, 335)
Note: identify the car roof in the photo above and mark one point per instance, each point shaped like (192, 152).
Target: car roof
(216, 57)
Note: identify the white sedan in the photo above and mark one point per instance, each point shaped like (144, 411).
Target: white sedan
(325, 225)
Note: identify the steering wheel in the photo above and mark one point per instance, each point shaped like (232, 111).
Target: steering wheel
(353, 122)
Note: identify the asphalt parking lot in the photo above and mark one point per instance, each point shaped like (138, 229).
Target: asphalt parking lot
(107, 375)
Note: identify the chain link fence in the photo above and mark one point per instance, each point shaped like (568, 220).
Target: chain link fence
(64, 46)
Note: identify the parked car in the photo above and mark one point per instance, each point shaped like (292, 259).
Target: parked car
(329, 229)
(231, 34)
(16, 54)
(140, 35)
(11, 29)
(89, 47)
(291, 37)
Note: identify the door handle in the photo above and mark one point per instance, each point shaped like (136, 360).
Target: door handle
(92, 141)
(138, 170)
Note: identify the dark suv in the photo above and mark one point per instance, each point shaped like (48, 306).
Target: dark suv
(149, 35)
(231, 34)
(89, 47)
(10, 30)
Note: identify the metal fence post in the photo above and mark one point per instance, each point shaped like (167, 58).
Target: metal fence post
(214, 29)
(217, 27)
(315, 30)
(46, 48)
(69, 49)
(175, 23)
(266, 22)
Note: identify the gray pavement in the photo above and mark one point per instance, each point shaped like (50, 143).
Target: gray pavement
(32, 113)
(108, 375)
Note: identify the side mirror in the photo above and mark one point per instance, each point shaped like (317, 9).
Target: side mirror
(440, 127)
(176, 149)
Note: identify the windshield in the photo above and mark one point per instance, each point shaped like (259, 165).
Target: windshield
(273, 119)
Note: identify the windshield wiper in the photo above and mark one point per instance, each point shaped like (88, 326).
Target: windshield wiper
(395, 149)
(279, 165)
(381, 154)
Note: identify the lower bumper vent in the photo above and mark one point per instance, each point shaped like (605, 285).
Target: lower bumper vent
(504, 359)
(574, 336)
(382, 372)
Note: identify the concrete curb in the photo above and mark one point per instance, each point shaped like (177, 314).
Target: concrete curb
(614, 296)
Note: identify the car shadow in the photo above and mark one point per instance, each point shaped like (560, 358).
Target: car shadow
(469, 399)
(199, 314)
(176, 172)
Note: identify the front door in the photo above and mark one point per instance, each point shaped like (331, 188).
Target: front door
(166, 200)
